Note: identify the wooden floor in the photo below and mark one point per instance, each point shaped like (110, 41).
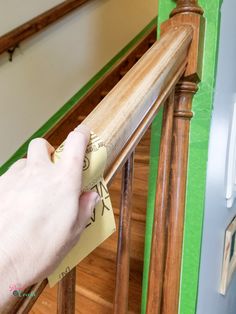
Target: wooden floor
(96, 274)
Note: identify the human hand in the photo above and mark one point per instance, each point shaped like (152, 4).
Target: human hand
(42, 211)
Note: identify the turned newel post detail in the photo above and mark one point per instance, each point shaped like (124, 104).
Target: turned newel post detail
(166, 254)
(186, 12)
(184, 93)
(188, 6)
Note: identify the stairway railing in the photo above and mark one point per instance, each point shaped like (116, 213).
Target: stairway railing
(166, 75)
(120, 120)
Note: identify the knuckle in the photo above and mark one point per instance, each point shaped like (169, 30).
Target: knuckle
(38, 140)
(20, 161)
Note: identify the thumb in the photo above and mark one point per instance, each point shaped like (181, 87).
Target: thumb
(87, 203)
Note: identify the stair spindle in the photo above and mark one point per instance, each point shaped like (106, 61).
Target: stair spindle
(123, 250)
(66, 293)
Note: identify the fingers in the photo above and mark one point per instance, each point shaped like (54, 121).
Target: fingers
(39, 150)
(87, 203)
(17, 166)
(72, 157)
(83, 128)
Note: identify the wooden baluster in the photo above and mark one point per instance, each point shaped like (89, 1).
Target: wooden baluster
(123, 249)
(182, 115)
(66, 293)
(159, 237)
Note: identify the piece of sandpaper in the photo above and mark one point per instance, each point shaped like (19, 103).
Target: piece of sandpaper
(102, 222)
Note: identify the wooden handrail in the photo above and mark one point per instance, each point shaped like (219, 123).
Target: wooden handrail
(18, 34)
(120, 113)
(103, 86)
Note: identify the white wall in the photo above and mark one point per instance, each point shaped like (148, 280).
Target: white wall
(217, 215)
(53, 65)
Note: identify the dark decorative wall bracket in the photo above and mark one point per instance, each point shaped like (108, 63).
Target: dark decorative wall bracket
(10, 40)
(11, 52)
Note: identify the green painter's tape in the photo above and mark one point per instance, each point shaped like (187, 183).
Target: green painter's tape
(64, 109)
(198, 152)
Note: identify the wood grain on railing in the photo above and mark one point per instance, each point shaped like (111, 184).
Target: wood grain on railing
(124, 240)
(14, 37)
(120, 113)
(103, 86)
(159, 231)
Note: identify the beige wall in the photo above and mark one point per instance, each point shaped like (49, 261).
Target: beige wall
(53, 65)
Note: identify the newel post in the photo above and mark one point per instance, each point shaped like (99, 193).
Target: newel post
(186, 12)
(166, 255)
